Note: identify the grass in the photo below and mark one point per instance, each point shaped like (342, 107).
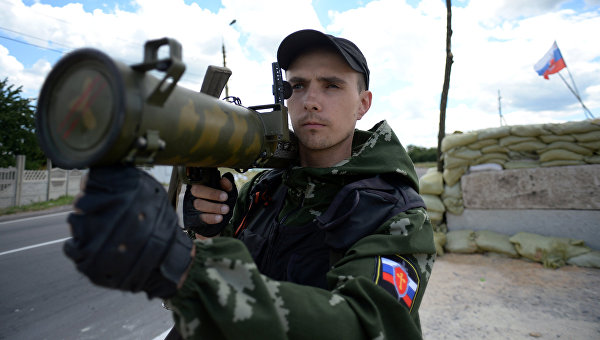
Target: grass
(63, 200)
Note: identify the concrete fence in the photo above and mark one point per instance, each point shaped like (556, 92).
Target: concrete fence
(20, 187)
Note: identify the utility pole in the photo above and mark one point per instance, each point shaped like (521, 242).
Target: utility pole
(224, 65)
(502, 121)
(224, 57)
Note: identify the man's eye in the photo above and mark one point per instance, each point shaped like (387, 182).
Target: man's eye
(297, 86)
(333, 86)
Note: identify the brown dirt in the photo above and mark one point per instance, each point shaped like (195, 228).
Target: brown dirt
(479, 296)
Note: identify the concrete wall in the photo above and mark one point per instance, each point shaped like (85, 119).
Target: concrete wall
(557, 201)
(34, 185)
(566, 187)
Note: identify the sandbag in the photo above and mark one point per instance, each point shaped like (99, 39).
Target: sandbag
(452, 199)
(443, 228)
(533, 130)
(452, 191)
(591, 259)
(552, 252)
(593, 145)
(433, 203)
(452, 176)
(454, 205)
(573, 147)
(561, 162)
(440, 241)
(494, 149)
(527, 146)
(461, 241)
(482, 143)
(496, 133)
(572, 127)
(485, 167)
(491, 241)
(516, 155)
(509, 140)
(559, 155)
(455, 162)
(458, 139)
(431, 183)
(556, 138)
(588, 136)
(435, 217)
(592, 159)
(464, 153)
(497, 158)
(522, 164)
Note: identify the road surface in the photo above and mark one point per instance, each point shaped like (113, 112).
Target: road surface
(43, 296)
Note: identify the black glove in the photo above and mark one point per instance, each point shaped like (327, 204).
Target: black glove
(127, 235)
(191, 216)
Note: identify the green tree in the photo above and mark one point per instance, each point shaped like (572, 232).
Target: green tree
(419, 154)
(17, 121)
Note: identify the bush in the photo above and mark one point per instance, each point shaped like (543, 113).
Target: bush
(419, 154)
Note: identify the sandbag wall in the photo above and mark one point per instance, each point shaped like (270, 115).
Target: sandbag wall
(506, 148)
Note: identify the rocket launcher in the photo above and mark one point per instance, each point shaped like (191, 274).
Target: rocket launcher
(93, 111)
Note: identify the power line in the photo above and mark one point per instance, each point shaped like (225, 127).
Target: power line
(190, 75)
(36, 38)
(34, 45)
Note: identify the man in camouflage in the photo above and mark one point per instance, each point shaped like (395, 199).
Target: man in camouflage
(338, 246)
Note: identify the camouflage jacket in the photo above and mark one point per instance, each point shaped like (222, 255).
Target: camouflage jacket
(373, 291)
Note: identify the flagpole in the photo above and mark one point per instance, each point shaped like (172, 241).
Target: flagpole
(585, 109)
(572, 79)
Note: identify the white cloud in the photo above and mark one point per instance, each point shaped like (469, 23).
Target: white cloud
(29, 78)
(495, 45)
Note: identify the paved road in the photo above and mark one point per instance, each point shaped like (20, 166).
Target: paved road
(42, 296)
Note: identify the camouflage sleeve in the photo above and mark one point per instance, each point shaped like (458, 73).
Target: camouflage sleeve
(375, 290)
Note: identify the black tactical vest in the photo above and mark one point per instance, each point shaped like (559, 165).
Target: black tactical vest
(303, 254)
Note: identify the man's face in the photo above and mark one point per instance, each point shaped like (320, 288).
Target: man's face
(325, 104)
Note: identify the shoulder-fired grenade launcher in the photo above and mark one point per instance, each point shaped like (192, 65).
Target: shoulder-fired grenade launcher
(93, 111)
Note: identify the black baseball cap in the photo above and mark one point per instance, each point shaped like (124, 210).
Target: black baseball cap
(294, 44)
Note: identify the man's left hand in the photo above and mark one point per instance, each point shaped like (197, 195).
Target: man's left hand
(126, 235)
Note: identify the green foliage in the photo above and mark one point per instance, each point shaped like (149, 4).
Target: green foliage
(419, 154)
(17, 120)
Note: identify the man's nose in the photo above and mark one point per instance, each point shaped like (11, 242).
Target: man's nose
(312, 100)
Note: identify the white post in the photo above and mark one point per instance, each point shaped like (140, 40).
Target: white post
(67, 186)
(19, 180)
(48, 183)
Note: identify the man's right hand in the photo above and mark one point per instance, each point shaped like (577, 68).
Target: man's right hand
(206, 210)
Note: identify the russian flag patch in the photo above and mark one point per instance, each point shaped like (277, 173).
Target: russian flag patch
(399, 277)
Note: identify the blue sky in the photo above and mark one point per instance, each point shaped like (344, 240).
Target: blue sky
(495, 45)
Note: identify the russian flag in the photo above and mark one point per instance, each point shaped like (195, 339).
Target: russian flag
(551, 63)
(396, 275)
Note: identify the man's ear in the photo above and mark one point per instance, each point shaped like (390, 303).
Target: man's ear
(366, 97)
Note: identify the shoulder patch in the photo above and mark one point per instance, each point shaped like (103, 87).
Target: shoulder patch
(398, 277)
